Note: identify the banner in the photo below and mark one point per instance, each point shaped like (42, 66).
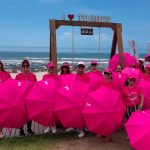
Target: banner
(134, 49)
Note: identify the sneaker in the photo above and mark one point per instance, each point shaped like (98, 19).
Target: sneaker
(81, 134)
(54, 130)
(30, 132)
(1, 135)
(22, 134)
(69, 130)
(47, 130)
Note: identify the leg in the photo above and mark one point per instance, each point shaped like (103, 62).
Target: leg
(29, 130)
(21, 134)
(1, 133)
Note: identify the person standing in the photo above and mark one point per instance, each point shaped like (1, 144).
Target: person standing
(4, 75)
(26, 75)
(146, 75)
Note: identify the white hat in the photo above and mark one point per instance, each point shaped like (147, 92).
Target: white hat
(81, 63)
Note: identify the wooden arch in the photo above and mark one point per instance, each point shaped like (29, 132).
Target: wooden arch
(117, 36)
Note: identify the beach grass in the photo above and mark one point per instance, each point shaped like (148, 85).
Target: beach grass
(40, 142)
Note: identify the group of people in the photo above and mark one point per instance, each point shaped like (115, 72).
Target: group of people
(131, 93)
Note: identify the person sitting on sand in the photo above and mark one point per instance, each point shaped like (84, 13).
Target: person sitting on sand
(26, 75)
(4, 75)
(51, 74)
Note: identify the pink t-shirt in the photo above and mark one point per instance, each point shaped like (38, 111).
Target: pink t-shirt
(131, 95)
(30, 77)
(4, 75)
(97, 72)
(145, 77)
(48, 76)
(111, 84)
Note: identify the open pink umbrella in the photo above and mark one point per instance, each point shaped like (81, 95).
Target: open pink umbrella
(95, 80)
(146, 89)
(69, 103)
(67, 79)
(128, 60)
(13, 112)
(133, 71)
(138, 130)
(41, 100)
(147, 57)
(104, 111)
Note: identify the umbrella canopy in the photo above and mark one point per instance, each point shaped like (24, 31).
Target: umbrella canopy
(41, 100)
(104, 111)
(128, 60)
(146, 89)
(13, 112)
(95, 80)
(147, 57)
(132, 71)
(69, 103)
(138, 130)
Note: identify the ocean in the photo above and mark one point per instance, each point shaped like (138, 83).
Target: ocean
(39, 55)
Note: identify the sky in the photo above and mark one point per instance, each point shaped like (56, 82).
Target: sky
(26, 22)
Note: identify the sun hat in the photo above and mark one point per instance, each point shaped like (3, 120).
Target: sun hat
(50, 64)
(93, 62)
(108, 70)
(81, 63)
(65, 64)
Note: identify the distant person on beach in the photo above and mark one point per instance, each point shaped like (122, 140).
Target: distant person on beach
(94, 69)
(141, 66)
(51, 74)
(4, 75)
(26, 75)
(146, 75)
(133, 96)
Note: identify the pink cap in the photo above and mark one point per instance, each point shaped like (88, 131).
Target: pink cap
(147, 66)
(65, 64)
(131, 76)
(93, 62)
(108, 70)
(50, 64)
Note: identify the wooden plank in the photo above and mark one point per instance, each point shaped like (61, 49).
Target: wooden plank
(120, 45)
(114, 45)
(84, 23)
(53, 49)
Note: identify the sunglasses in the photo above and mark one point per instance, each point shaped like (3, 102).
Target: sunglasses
(81, 66)
(93, 64)
(118, 68)
(132, 80)
(106, 73)
(25, 65)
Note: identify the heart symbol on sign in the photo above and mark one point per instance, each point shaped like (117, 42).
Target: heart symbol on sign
(70, 16)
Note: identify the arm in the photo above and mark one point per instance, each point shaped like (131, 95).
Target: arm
(142, 101)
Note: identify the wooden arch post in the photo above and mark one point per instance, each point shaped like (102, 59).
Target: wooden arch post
(117, 36)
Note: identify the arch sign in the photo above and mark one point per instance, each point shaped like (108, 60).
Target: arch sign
(87, 21)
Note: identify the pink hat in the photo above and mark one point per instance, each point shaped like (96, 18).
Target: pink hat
(147, 66)
(50, 64)
(131, 76)
(94, 62)
(65, 64)
(108, 70)
(81, 63)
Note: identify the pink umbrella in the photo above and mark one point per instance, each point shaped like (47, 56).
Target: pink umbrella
(119, 79)
(95, 80)
(146, 89)
(69, 103)
(104, 111)
(128, 60)
(133, 71)
(138, 130)
(41, 100)
(147, 57)
(67, 79)
(13, 112)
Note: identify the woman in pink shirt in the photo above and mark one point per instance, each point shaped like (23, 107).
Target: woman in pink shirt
(26, 75)
(146, 75)
(51, 74)
(132, 96)
(4, 75)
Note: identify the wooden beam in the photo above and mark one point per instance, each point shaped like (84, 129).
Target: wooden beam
(120, 45)
(114, 45)
(53, 49)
